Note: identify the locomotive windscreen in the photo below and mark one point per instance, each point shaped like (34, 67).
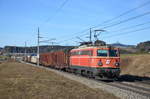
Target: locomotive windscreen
(113, 53)
(105, 53)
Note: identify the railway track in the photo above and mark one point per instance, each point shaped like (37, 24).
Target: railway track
(120, 89)
(146, 82)
(136, 89)
(139, 84)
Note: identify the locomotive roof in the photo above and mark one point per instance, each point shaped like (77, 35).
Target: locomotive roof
(88, 47)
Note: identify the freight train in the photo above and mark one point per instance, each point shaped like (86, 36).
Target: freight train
(91, 61)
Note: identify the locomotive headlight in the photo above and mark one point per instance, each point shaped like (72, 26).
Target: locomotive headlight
(100, 63)
(117, 64)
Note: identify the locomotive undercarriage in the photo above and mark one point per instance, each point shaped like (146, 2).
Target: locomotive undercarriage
(110, 73)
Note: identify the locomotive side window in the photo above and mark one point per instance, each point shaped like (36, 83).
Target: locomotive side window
(86, 52)
(74, 53)
(102, 52)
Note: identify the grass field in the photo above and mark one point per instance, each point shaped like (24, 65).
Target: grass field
(21, 81)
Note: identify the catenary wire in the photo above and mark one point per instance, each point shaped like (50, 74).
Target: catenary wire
(57, 10)
(124, 33)
(130, 27)
(107, 21)
(122, 14)
(124, 21)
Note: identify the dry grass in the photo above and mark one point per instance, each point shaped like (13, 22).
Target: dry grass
(136, 64)
(20, 81)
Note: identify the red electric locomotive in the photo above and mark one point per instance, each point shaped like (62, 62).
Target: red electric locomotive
(96, 61)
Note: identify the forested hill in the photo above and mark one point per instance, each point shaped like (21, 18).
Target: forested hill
(46, 48)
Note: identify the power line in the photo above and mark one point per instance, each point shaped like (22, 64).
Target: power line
(50, 18)
(129, 19)
(66, 40)
(119, 34)
(57, 10)
(126, 20)
(74, 35)
(122, 14)
(131, 27)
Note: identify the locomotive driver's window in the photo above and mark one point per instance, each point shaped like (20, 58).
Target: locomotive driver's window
(113, 53)
(102, 52)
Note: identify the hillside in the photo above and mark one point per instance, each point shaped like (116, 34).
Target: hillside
(144, 46)
(136, 64)
(122, 45)
(33, 49)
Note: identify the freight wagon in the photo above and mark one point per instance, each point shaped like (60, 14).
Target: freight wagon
(28, 58)
(33, 59)
(58, 59)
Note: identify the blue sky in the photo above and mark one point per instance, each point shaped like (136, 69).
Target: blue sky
(19, 20)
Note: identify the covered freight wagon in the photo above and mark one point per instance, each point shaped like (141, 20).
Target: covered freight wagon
(34, 59)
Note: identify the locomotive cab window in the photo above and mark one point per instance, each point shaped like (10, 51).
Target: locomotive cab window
(113, 53)
(102, 52)
(105, 53)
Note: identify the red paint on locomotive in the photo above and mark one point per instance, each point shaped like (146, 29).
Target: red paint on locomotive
(98, 61)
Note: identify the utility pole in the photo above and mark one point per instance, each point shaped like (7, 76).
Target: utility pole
(38, 47)
(90, 35)
(25, 52)
(52, 44)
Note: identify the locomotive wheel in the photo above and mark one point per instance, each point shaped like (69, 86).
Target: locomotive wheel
(83, 73)
(89, 74)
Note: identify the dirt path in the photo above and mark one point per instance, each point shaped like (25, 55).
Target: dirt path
(21, 81)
